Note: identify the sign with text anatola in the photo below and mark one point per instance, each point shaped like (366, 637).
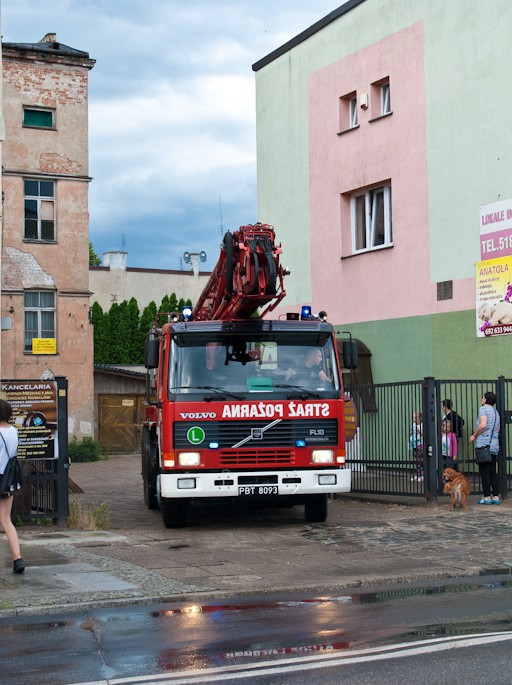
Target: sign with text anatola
(34, 406)
(496, 230)
(494, 297)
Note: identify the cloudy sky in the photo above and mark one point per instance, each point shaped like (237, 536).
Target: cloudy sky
(171, 112)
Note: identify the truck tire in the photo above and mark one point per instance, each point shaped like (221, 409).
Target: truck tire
(174, 512)
(315, 508)
(149, 469)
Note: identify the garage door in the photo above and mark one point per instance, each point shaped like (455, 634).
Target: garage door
(119, 422)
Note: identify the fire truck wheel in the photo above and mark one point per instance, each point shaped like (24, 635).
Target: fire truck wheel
(149, 470)
(150, 497)
(174, 512)
(315, 508)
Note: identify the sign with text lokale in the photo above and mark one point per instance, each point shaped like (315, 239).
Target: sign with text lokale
(496, 230)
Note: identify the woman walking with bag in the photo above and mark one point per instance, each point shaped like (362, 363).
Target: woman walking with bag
(8, 449)
(486, 442)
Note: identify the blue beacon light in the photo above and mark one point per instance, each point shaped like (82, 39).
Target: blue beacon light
(305, 313)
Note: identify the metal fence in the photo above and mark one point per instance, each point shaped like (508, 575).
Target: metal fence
(381, 457)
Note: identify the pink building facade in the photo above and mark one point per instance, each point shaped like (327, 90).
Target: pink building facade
(376, 152)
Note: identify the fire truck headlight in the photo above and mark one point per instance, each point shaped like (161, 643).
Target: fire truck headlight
(322, 456)
(189, 459)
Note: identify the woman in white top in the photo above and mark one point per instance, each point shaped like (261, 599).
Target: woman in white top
(8, 448)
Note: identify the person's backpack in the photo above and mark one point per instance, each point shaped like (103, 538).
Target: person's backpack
(457, 424)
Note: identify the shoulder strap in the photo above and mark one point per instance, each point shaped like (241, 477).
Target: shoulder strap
(5, 444)
(495, 419)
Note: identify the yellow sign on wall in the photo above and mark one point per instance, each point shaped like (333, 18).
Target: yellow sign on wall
(44, 345)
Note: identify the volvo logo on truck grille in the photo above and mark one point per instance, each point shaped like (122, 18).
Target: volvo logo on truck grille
(256, 433)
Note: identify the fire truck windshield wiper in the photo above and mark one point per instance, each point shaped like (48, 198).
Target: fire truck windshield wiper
(213, 388)
(299, 389)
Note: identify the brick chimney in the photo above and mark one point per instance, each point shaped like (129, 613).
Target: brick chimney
(49, 38)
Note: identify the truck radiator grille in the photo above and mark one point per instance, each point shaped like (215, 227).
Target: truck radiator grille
(259, 436)
(257, 457)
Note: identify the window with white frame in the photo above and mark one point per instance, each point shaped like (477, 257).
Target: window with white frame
(348, 112)
(371, 219)
(385, 98)
(39, 310)
(352, 111)
(39, 210)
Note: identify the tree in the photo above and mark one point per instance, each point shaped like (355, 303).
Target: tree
(120, 333)
(94, 260)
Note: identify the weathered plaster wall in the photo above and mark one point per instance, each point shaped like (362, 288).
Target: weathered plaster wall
(61, 265)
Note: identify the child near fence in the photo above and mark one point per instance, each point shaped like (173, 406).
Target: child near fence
(448, 446)
(416, 444)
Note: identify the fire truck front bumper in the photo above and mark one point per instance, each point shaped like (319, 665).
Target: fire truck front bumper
(256, 483)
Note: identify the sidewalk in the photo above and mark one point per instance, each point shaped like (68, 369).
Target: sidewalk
(228, 551)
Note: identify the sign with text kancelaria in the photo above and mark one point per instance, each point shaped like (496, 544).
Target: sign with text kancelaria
(496, 230)
(34, 408)
(494, 297)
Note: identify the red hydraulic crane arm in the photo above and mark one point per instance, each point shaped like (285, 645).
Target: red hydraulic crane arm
(247, 276)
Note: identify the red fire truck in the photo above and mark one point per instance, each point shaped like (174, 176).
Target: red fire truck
(241, 405)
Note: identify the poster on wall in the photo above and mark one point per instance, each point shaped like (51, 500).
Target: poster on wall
(34, 405)
(496, 230)
(494, 297)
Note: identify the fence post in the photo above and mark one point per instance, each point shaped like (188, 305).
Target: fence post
(63, 460)
(502, 457)
(430, 438)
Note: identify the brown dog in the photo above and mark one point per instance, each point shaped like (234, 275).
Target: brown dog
(458, 487)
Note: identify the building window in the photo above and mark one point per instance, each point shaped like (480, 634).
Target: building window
(445, 290)
(39, 210)
(38, 118)
(39, 316)
(371, 219)
(381, 98)
(385, 99)
(353, 112)
(348, 112)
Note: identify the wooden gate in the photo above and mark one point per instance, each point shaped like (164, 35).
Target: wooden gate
(119, 422)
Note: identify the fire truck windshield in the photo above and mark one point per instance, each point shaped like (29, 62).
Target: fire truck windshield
(249, 366)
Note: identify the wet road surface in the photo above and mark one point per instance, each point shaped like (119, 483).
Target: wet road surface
(266, 639)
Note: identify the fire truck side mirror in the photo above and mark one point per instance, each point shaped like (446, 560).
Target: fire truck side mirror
(349, 353)
(151, 347)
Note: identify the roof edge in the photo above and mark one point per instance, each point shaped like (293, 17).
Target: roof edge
(307, 33)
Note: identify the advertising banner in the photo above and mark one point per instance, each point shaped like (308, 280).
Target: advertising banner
(494, 297)
(34, 405)
(496, 230)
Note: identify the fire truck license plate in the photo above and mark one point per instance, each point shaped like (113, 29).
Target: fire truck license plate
(256, 490)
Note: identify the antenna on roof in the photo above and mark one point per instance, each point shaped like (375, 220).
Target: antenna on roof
(220, 212)
(123, 241)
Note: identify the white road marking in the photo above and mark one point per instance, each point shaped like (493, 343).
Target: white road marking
(323, 660)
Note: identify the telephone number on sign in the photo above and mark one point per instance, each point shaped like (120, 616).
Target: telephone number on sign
(497, 330)
(251, 490)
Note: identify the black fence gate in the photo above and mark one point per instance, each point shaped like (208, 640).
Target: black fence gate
(381, 455)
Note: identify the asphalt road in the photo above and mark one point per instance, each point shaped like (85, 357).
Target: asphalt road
(383, 634)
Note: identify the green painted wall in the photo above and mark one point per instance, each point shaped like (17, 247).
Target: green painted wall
(442, 345)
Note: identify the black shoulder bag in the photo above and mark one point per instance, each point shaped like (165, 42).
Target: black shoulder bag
(483, 454)
(12, 478)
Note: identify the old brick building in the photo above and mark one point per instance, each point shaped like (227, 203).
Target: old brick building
(45, 255)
